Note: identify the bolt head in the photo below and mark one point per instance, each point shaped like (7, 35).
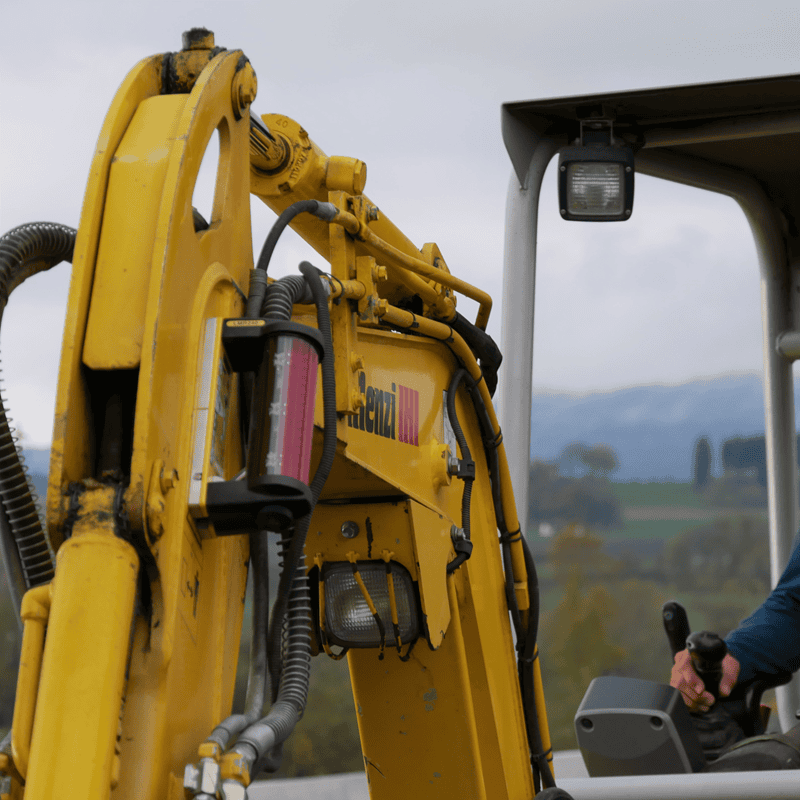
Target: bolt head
(349, 529)
(359, 177)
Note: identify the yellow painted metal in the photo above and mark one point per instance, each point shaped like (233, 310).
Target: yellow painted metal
(392, 526)
(343, 318)
(433, 549)
(183, 666)
(183, 656)
(305, 172)
(460, 695)
(139, 167)
(34, 612)
(473, 667)
(418, 720)
(71, 452)
(444, 333)
(74, 745)
(397, 259)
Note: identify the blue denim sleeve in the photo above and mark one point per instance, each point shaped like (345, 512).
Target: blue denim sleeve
(768, 641)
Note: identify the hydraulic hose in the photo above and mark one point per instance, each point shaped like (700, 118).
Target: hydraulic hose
(293, 602)
(25, 547)
(258, 277)
(257, 673)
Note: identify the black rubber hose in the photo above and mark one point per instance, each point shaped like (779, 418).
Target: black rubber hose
(258, 282)
(258, 740)
(493, 461)
(466, 458)
(483, 346)
(278, 304)
(283, 294)
(525, 662)
(295, 548)
(25, 251)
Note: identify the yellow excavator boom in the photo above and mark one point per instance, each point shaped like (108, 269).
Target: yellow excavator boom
(409, 557)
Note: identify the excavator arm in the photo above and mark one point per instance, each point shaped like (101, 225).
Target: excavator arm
(203, 407)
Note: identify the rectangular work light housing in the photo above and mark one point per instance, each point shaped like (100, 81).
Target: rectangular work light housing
(595, 182)
(349, 622)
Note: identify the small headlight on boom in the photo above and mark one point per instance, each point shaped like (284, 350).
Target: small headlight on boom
(358, 594)
(595, 179)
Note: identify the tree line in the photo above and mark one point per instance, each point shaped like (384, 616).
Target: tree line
(744, 462)
(575, 488)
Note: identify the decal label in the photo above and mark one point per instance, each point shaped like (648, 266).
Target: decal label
(390, 413)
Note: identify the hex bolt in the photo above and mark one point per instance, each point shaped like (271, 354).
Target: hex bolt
(168, 479)
(243, 89)
(349, 529)
(356, 361)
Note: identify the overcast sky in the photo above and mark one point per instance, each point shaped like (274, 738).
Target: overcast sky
(414, 89)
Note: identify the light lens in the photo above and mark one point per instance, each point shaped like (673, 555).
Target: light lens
(290, 410)
(348, 619)
(595, 189)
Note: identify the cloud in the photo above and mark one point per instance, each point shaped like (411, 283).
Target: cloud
(415, 90)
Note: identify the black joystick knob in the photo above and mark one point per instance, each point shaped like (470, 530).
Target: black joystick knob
(676, 625)
(707, 651)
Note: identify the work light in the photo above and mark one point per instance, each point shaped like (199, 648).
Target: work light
(595, 182)
(348, 619)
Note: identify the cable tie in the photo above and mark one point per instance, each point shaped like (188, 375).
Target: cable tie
(493, 444)
(471, 382)
(337, 300)
(509, 537)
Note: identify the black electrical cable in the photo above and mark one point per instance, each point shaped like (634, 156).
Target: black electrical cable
(466, 467)
(525, 665)
(258, 277)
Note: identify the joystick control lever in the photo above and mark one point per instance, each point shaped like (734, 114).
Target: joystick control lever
(676, 625)
(707, 650)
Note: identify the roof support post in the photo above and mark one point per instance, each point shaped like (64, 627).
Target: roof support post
(519, 289)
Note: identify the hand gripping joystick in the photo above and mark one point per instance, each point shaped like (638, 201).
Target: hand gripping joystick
(707, 651)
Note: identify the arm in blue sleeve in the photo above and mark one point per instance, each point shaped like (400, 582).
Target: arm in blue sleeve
(768, 641)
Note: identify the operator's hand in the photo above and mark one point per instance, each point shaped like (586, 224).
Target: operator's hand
(686, 681)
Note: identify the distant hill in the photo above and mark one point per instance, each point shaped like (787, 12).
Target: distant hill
(652, 428)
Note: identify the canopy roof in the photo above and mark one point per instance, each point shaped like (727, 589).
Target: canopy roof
(752, 126)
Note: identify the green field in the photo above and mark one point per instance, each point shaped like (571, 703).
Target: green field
(652, 529)
(632, 494)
